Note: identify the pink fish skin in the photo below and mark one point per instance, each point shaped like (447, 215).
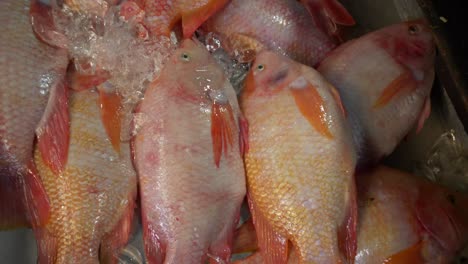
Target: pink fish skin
(284, 26)
(385, 79)
(30, 71)
(188, 159)
(406, 218)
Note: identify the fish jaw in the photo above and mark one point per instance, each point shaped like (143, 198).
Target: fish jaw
(190, 199)
(94, 192)
(290, 183)
(384, 92)
(243, 28)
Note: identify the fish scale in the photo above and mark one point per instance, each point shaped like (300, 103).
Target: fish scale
(29, 69)
(94, 192)
(300, 164)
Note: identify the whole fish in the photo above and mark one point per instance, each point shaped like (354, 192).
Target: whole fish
(284, 26)
(300, 163)
(93, 198)
(385, 79)
(30, 71)
(162, 15)
(188, 158)
(404, 219)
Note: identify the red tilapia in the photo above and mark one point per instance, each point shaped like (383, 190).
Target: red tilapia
(163, 15)
(30, 73)
(282, 25)
(403, 219)
(93, 198)
(300, 163)
(384, 79)
(188, 158)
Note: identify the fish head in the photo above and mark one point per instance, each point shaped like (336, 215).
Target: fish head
(411, 44)
(194, 68)
(270, 74)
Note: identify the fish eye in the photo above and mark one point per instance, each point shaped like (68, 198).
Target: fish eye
(185, 56)
(260, 67)
(413, 29)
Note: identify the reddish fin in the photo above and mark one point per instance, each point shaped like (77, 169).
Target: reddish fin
(193, 19)
(242, 47)
(411, 255)
(338, 100)
(404, 82)
(46, 246)
(42, 21)
(273, 246)
(439, 218)
(114, 242)
(154, 250)
(327, 14)
(425, 113)
(245, 238)
(111, 104)
(347, 232)
(311, 105)
(35, 198)
(80, 82)
(53, 131)
(222, 129)
(243, 136)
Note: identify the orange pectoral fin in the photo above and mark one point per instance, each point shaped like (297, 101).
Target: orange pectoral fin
(222, 129)
(273, 246)
(111, 104)
(311, 105)
(53, 131)
(347, 232)
(338, 100)
(192, 19)
(404, 82)
(425, 113)
(411, 255)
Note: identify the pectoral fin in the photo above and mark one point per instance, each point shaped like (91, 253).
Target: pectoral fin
(411, 255)
(111, 104)
(311, 105)
(222, 129)
(403, 83)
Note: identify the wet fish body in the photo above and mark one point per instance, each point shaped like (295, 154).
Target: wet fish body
(189, 161)
(30, 72)
(300, 163)
(92, 199)
(384, 79)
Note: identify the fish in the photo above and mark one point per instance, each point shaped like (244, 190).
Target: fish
(32, 75)
(283, 26)
(407, 219)
(97, 8)
(162, 16)
(403, 218)
(188, 154)
(92, 199)
(300, 163)
(385, 79)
